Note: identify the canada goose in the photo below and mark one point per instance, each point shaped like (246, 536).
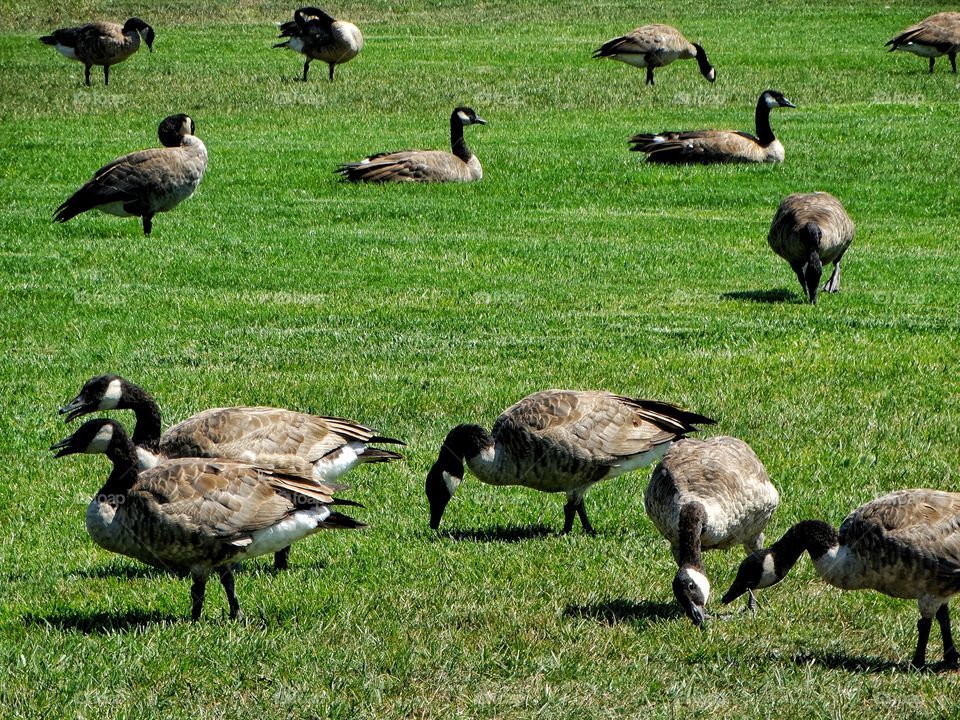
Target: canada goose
(320, 37)
(808, 231)
(905, 544)
(146, 182)
(716, 146)
(559, 441)
(932, 37)
(101, 43)
(266, 436)
(708, 495)
(423, 165)
(197, 516)
(653, 46)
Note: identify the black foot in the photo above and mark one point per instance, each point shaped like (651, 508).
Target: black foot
(281, 559)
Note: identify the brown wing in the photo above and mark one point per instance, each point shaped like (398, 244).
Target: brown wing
(697, 146)
(915, 528)
(254, 433)
(407, 166)
(796, 211)
(597, 424)
(940, 31)
(103, 42)
(648, 40)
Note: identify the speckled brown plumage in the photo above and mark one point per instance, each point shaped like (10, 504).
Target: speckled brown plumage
(653, 46)
(100, 43)
(932, 37)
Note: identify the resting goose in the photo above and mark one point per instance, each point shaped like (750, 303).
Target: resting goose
(146, 182)
(199, 516)
(559, 441)
(653, 46)
(708, 495)
(423, 165)
(320, 37)
(716, 146)
(101, 43)
(266, 436)
(932, 37)
(809, 231)
(905, 544)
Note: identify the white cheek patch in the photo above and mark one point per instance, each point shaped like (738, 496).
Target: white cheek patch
(771, 101)
(464, 118)
(769, 575)
(101, 440)
(703, 585)
(111, 398)
(487, 454)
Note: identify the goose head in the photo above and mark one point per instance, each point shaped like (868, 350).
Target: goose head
(466, 116)
(464, 441)
(692, 590)
(174, 128)
(758, 570)
(146, 32)
(775, 98)
(94, 436)
(103, 392)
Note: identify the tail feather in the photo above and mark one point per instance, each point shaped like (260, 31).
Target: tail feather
(48, 40)
(339, 521)
(375, 455)
(388, 440)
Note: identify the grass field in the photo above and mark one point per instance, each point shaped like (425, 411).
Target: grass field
(412, 309)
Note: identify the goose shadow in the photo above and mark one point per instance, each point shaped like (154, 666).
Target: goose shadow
(618, 611)
(127, 572)
(97, 623)
(862, 663)
(776, 295)
(498, 534)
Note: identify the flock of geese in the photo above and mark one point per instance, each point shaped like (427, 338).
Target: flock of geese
(229, 484)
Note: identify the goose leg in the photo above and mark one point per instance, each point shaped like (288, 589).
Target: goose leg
(923, 634)
(584, 520)
(281, 559)
(306, 66)
(813, 272)
(197, 591)
(86, 74)
(226, 579)
(751, 602)
(650, 75)
(953, 61)
(569, 510)
(932, 61)
(106, 75)
(147, 223)
(798, 270)
(950, 656)
(332, 66)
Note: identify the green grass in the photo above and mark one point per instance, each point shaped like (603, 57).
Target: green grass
(572, 264)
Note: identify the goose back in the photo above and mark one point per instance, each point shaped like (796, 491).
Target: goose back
(725, 476)
(787, 236)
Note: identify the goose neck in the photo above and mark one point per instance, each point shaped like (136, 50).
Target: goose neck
(762, 118)
(689, 529)
(457, 144)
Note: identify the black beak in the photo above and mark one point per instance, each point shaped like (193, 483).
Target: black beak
(477, 120)
(73, 409)
(786, 103)
(64, 447)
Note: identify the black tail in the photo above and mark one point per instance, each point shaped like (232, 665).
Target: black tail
(375, 455)
(48, 40)
(339, 521)
(388, 440)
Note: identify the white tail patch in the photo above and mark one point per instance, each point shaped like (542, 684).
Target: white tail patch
(101, 441)
(111, 398)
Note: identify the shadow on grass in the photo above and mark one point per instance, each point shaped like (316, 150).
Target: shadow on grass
(99, 622)
(127, 572)
(500, 533)
(850, 663)
(777, 295)
(613, 612)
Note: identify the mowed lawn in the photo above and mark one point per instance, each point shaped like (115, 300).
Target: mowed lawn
(414, 308)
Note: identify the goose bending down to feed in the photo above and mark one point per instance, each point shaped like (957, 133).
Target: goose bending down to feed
(146, 182)
(809, 231)
(318, 36)
(905, 544)
(199, 516)
(708, 495)
(423, 165)
(559, 441)
(653, 46)
(931, 38)
(717, 146)
(266, 436)
(101, 43)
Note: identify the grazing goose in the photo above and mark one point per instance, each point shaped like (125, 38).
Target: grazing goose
(320, 37)
(808, 231)
(266, 436)
(653, 46)
(905, 544)
(716, 146)
(708, 495)
(101, 43)
(423, 165)
(199, 516)
(146, 182)
(559, 441)
(932, 37)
